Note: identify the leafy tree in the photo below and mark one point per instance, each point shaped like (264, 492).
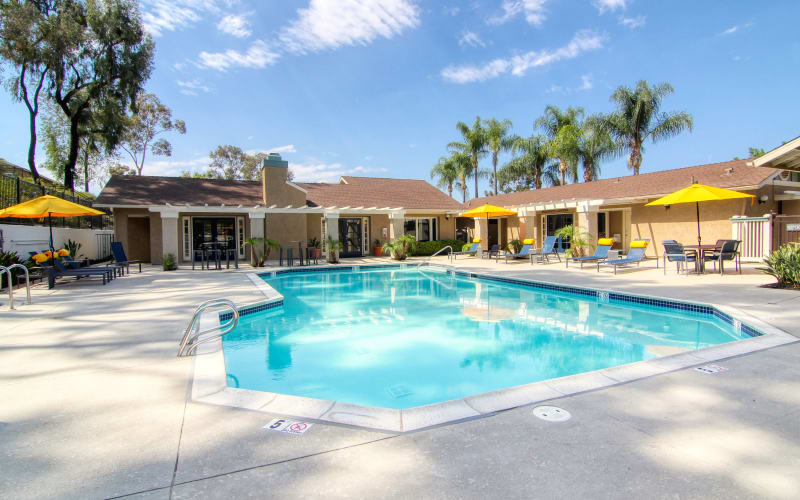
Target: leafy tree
(101, 59)
(150, 119)
(446, 173)
(639, 118)
(755, 152)
(474, 144)
(230, 162)
(530, 167)
(119, 169)
(595, 145)
(562, 129)
(499, 139)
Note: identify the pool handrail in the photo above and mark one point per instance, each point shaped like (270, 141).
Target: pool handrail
(192, 334)
(450, 255)
(10, 289)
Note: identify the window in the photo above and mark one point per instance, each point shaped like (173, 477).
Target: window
(240, 233)
(554, 222)
(423, 229)
(187, 238)
(410, 227)
(602, 225)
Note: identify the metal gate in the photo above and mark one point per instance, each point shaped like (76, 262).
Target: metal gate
(755, 233)
(787, 229)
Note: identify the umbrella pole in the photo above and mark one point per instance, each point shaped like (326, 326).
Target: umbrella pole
(697, 205)
(50, 221)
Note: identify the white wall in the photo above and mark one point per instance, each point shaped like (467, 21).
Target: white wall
(24, 239)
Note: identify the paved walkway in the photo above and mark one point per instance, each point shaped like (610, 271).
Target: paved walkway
(94, 404)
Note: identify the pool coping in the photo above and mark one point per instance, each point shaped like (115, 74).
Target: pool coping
(209, 384)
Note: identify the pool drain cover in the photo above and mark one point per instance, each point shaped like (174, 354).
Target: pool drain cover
(551, 413)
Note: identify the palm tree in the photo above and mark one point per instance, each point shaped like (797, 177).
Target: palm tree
(531, 166)
(639, 117)
(562, 128)
(446, 173)
(474, 145)
(595, 145)
(498, 139)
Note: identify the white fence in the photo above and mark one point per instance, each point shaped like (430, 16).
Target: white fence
(755, 233)
(23, 239)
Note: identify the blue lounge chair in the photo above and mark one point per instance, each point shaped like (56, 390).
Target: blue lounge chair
(473, 250)
(674, 252)
(120, 258)
(524, 252)
(56, 270)
(116, 269)
(600, 253)
(635, 256)
(548, 248)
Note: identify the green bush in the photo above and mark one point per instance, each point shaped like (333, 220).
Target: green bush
(465, 247)
(784, 265)
(431, 247)
(514, 246)
(168, 262)
(74, 248)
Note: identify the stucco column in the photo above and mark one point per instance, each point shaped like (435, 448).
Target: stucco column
(482, 232)
(332, 229)
(527, 225)
(396, 225)
(169, 236)
(587, 220)
(256, 230)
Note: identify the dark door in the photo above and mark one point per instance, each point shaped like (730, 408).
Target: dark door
(217, 230)
(350, 236)
(492, 227)
(138, 244)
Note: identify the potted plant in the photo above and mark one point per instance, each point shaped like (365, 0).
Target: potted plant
(256, 257)
(333, 249)
(377, 250)
(578, 240)
(399, 248)
(316, 244)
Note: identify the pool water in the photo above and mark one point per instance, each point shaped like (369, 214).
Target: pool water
(399, 338)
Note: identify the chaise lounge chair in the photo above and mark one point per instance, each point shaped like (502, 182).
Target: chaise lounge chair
(117, 269)
(121, 258)
(524, 252)
(473, 250)
(57, 270)
(600, 253)
(635, 256)
(548, 248)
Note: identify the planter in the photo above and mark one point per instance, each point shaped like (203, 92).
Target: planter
(319, 253)
(377, 252)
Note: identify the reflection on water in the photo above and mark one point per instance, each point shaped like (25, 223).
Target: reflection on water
(403, 338)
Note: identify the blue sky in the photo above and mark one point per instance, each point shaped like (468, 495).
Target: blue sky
(360, 87)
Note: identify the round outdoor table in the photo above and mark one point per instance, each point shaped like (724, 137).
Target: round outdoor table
(700, 249)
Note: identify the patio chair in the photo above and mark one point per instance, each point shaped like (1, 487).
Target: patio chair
(473, 250)
(729, 250)
(600, 253)
(54, 272)
(635, 256)
(548, 249)
(494, 251)
(674, 252)
(524, 252)
(120, 258)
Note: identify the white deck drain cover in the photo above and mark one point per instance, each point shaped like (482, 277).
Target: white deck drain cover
(711, 369)
(551, 413)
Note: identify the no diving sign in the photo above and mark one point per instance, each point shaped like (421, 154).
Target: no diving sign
(288, 426)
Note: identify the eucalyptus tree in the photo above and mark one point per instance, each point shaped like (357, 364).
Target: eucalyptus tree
(474, 144)
(446, 174)
(594, 146)
(499, 139)
(150, 120)
(639, 117)
(562, 129)
(531, 166)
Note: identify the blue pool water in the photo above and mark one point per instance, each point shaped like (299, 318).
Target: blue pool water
(399, 338)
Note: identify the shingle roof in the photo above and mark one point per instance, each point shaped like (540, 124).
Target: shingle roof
(729, 174)
(358, 192)
(152, 190)
(379, 192)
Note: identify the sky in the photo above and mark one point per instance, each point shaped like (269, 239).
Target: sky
(376, 87)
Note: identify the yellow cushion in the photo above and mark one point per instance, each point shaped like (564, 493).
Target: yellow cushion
(476, 240)
(605, 241)
(527, 241)
(639, 244)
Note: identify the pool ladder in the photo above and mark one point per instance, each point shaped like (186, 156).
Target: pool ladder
(193, 336)
(7, 270)
(449, 255)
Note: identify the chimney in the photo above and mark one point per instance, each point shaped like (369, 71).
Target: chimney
(273, 178)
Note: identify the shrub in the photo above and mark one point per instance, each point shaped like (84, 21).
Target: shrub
(465, 247)
(73, 247)
(784, 265)
(168, 262)
(333, 248)
(400, 247)
(578, 241)
(431, 247)
(514, 246)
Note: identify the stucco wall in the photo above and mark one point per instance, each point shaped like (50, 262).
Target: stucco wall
(23, 239)
(287, 229)
(791, 207)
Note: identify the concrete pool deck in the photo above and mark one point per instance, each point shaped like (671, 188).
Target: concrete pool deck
(94, 404)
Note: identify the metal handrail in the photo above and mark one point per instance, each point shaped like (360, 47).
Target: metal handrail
(192, 336)
(4, 269)
(27, 282)
(449, 256)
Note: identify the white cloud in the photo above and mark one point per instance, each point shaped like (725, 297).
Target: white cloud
(237, 25)
(517, 65)
(328, 172)
(330, 24)
(174, 167)
(609, 5)
(159, 16)
(193, 87)
(534, 10)
(451, 11)
(289, 148)
(735, 29)
(258, 55)
(472, 39)
(632, 22)
(587, 83)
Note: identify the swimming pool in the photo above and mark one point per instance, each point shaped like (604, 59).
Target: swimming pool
(405, 337)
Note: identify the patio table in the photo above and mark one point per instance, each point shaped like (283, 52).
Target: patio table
(700, 250)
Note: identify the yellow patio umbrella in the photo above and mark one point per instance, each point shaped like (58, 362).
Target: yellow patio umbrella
(697, 193)
(47, 206)
(487, 211)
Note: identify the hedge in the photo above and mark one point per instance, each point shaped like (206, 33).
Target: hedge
(431, 247)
